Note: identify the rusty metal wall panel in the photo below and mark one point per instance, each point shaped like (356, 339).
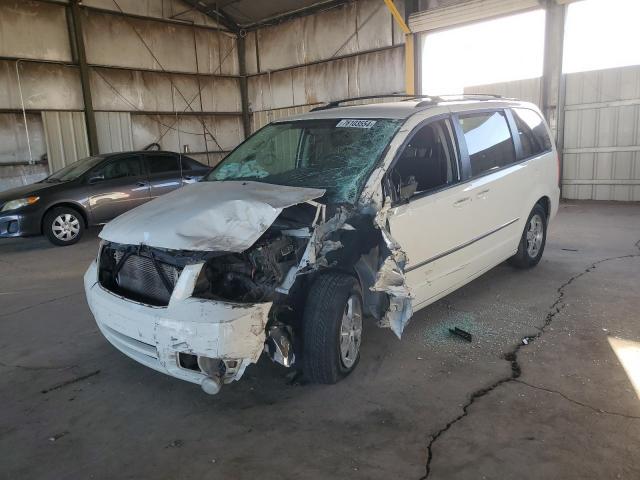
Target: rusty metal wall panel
(527, 89)
(18, 175)
(347, 29)
(172, 9)
(251, 57)
(153, 92)
(14, 147)
(44, 86)
(260, 119)
(32, 29)
(174, 133)
(217, 52)
(366, 74)
(112, 40)
(602, 135)
(114, 132)
(66, 137)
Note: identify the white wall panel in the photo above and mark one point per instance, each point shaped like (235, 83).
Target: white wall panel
(602, 135)
(114, 132)
(527, 89)
(66, 136)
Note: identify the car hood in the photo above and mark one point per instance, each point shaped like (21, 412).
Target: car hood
(207, 216)
(26, 191)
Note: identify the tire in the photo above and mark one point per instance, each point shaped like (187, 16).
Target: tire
(63, 226)
(533, 240)
(331, 340)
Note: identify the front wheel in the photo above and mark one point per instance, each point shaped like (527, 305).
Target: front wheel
(63, 226)
(332, 328)
(532, 241)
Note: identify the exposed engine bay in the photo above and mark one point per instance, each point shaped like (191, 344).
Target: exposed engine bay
(254, 275)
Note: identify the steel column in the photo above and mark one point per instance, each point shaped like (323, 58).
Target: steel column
(77, 40)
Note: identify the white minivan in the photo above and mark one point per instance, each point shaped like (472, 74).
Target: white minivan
(318, 221)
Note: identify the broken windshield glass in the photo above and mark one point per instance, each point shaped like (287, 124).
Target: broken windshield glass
(333, 154)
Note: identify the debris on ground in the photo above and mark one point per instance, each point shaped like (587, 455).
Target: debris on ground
(175, 444)
(461, 333)
(58, 436)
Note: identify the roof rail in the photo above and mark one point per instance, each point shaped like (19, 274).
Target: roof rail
(459, 96)
(429, 99)
(337, 103)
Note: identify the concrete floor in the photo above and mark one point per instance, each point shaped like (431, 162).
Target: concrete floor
(72, 407)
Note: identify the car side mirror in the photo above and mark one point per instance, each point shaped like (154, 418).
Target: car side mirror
(95, 179)
(408, 188)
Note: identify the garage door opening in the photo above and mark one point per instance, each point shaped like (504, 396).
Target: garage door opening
(500, 50)
(601, 34)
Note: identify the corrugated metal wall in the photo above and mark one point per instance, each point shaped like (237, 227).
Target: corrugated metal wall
(527, 90)
(602, 135)
(192, 68)
(66, 138)
(351, 50)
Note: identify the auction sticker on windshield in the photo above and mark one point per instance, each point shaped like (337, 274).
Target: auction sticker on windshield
(354, 123)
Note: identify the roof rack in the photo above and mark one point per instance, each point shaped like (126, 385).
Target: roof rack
(429, 99)
(337, 103)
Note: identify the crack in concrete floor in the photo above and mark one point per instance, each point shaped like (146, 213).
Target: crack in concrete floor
(512, 356)
(577, 402)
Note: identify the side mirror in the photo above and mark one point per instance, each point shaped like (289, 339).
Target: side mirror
(408, 188)
(95, 179)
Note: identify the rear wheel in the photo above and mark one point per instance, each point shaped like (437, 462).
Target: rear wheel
(533, 240)
(332, 328)
(63, 226)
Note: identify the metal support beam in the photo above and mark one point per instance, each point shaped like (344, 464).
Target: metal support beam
(77, 40)
(409, 49)
(552, 88)
(244, 89)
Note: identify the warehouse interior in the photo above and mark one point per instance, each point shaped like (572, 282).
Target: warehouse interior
(81, 78)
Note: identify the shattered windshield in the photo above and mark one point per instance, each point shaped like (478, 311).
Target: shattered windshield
(334, 154)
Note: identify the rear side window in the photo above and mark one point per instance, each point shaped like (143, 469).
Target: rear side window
(121, 168)
(488, 140)
(532, 132)
(162, 163)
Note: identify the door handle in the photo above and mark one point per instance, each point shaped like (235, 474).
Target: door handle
(461, 202)
(187, 178)
(483, 193)
(142, 184)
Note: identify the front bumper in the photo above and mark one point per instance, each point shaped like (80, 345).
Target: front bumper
(154, 336)
(19, 224)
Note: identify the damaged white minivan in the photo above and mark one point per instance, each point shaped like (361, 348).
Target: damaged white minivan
(317, 222)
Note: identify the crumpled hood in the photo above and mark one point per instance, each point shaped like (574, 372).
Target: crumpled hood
(207, 216)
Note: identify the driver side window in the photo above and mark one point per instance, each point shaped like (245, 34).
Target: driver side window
(427, 163)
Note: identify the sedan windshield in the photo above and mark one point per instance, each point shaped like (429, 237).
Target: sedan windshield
(73, 171)
(337, 155)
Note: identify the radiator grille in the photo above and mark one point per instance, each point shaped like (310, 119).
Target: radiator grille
(139, 279)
